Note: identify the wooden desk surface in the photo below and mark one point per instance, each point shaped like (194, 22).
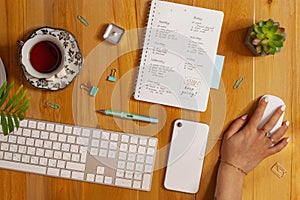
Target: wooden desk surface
(278, 75)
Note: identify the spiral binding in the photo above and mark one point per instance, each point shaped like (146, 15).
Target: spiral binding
(147, 34)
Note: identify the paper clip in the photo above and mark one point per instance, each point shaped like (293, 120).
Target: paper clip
(92, 90)
(112, 76)
(278, 170)
(238, 83)
(83, 20)
(52, 105)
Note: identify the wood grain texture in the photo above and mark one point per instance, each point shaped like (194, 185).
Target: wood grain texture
(278, 75)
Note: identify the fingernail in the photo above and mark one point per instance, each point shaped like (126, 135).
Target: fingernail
(266, 99)
(244, 117)
(282, 108)
(287, 123)
(288, 139)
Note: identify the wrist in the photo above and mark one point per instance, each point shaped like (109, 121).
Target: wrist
(233, 166)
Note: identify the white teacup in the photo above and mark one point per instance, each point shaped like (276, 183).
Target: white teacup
(42, 56)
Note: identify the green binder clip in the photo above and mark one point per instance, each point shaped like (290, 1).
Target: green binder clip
(112, 76)
(92, 90)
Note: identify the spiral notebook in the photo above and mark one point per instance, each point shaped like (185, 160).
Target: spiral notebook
(178, 55)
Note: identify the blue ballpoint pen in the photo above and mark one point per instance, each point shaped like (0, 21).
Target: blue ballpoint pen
(126, 115)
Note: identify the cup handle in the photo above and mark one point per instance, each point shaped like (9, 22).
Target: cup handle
(20, 43)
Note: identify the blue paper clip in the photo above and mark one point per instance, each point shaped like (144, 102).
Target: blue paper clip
(112, 76)
(92, 90)
(238, 83)
(83, 20)
(52, 105)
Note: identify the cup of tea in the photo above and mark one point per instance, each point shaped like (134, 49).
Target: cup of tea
(42, 56)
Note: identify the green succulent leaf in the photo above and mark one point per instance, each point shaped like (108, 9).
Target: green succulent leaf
(277, 37)
(12, 109)
(272, 50)
(273, 29)
(265, 29)
(260, 36)
(276, 43)
(269, 23)
(260, 23)
(257, 29)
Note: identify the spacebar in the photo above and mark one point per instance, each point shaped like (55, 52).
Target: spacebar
(22, 167)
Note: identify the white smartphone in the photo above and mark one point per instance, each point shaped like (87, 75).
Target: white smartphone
(186, 156)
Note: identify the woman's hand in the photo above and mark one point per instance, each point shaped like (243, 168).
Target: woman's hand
(245, 146)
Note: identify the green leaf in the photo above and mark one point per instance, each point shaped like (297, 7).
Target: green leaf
(265, 29)
(13, 98)
(3, 98)
(273, 29)
(260, 36)
(23, 104)
(272, 51)
(276, 43)
(16, 120)
(21, 116)
(4, 124)
(269, 23)
(277, 37)
(10, 123)
(18, 100)
(257, 29)
(23, 109)
(260, 23)
(2, 88)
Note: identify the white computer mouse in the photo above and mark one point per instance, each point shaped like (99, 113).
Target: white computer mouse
(273, 104)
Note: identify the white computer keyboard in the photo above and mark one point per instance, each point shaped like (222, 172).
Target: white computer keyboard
(80, 153)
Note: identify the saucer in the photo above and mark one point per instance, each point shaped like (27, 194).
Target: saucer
(73, 60)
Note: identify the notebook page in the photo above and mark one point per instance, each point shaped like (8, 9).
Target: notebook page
(178, 55)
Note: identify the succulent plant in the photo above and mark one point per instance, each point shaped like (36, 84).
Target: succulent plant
(12, 109)
(267, 37)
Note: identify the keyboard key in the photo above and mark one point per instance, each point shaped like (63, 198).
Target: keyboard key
(65, 173)
(12, 139)
(23, 167)
(68, 129)
(44, 135)
(105, 135)
(75, 166)
(136, 184)
(86, 132)
(134, 140)
(96, 134)
(99, 179)
(50, 127)
(123, 182)
(53, 171)
(77, 175)
(108, 180)
(59, 128)
(41, 125)
(100, 170)
(152, 142)
(62, 138)
(53, 136)
(23, 123)
(32, 124)
(36, 134)
(146, 181)
(114, 137)
(90, 177)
